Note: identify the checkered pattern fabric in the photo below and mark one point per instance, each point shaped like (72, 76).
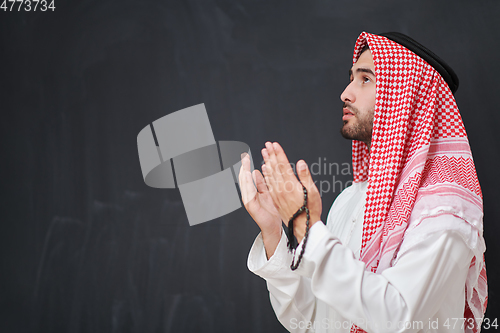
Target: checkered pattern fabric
(415, 118)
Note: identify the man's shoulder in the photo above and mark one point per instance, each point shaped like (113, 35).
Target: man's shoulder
(355, 189)
(351, 194)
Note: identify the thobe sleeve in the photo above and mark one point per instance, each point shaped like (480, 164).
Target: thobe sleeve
(410, 291)
(291, 296)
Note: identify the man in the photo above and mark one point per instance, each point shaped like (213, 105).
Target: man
(402, 249)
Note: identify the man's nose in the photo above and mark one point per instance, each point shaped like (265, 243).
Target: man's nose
(348, 95)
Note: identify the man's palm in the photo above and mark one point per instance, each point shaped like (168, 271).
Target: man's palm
(256, 198)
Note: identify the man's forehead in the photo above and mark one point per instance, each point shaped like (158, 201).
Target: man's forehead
(363, 64)
(364, 60)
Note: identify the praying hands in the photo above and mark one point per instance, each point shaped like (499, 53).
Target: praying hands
(277, 195)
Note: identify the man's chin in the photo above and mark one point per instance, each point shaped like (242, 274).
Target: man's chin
(345, 133)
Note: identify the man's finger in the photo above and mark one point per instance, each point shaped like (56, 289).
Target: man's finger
(268, 180)
(283, 163)
(247, 188)
(243, 155)
(260, 182)
(267, 172)
(272, 163)
(314, 198)
(305, 175)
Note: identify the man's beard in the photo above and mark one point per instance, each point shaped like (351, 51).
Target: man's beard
(361, 130)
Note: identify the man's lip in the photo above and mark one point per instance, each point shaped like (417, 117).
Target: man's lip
(348, 112)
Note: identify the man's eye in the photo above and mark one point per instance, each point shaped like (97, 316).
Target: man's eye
(366, 79)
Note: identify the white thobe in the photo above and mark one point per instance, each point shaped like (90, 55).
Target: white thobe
(422, 292)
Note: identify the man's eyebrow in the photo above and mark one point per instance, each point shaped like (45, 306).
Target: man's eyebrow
(362, 70)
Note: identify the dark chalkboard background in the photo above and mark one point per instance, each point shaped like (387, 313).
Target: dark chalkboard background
(86, 246)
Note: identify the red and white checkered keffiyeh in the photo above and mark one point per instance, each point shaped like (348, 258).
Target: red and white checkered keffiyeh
(419, 150)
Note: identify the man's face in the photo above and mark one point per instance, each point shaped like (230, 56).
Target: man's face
(359, 100)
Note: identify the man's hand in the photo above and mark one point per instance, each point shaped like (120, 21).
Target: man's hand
(259, 205)
(286, 190)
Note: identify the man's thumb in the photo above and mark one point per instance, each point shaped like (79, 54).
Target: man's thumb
(303, 173)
